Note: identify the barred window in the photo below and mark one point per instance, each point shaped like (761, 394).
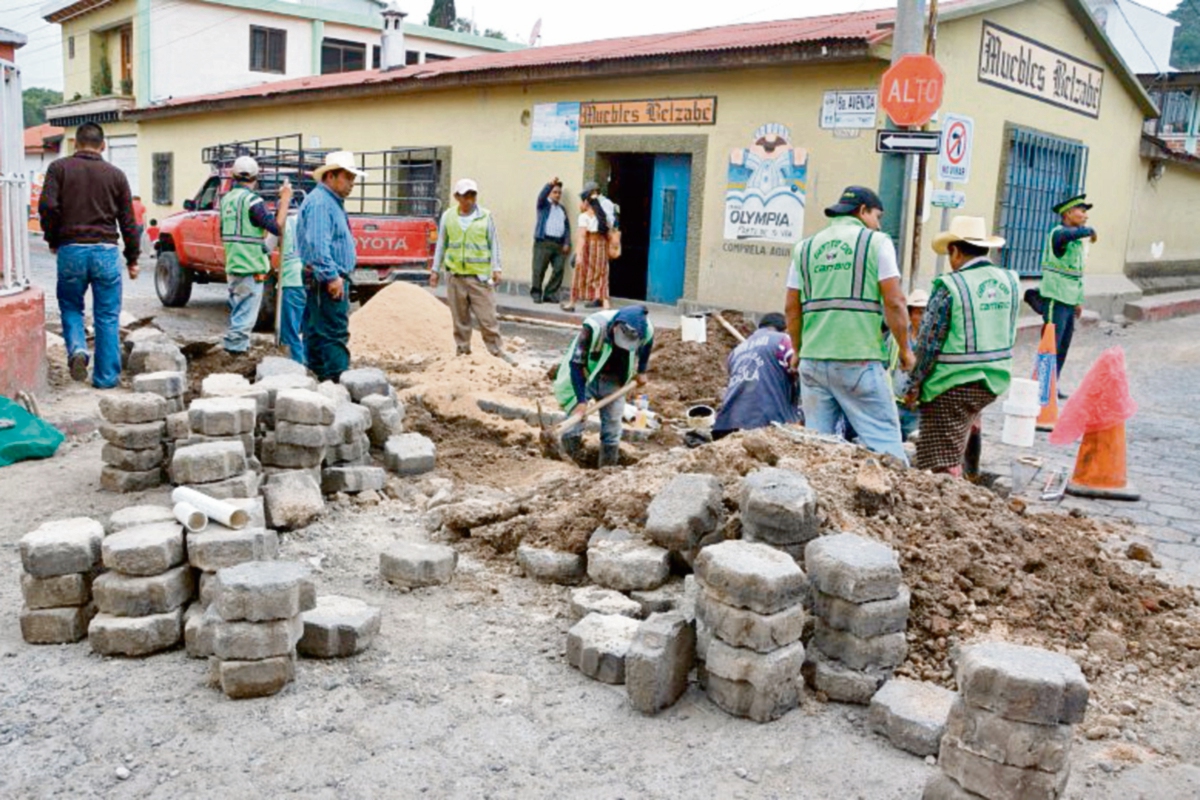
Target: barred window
(164, 178)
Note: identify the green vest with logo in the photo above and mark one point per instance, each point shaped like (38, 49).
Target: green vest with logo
(245, 253)
(839, 293)
(983, 330)
(1062, 278)
(468, 251)
(599, 351)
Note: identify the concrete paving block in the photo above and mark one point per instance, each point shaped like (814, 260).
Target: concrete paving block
(208, 462)
(839, 682)
(759, 686)
(209, 587)
(911, 714)
(748, 575)
(628, 565)
(124, 596)
(658, 662)
(132, 460)
(292, 500)
(178, 427)
(410, 454)
(143, 334)
(414, 564)
(198, 626)
(163, 384)
(304, 407)
(335, 391)
(121, 481)
(238, 487)
(222, 416)
(245, 440)
(703, 640)
(132, 409)
(338, 627)
(874, 618)
(877, 652)
(853, 567)
(134, 516)
(684, 511)
(363, 382)
(60, 547)
(1018, 744)
(218, 547)
(290, 456)
(992, 779)
(942, 787)
(387, 417)
(311, 436)
(74, 589)
(259, 591)
(596, 600)
(597, 646)
(254, 641)
(160, 355)
(134, 437)
(352, 422)
(1024, 684)
(271, 366)
(352, 479)
(355, 453)
(144, 550)
(223, 384)
(65, 625)
(668, 597)
(275, 384)
(240, 680)
(691, 593)
(135, 636)
(551, 566)
(778, 507)
(740, 627)
(176, 405)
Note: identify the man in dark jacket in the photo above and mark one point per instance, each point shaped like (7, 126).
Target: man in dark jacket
(551, 242)
(84, 202)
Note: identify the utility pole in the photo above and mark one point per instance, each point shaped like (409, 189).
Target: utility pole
(907, 37)
(919, 208)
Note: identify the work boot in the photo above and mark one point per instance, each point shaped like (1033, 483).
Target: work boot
(573, 448)
(610, 456)
(78, 363)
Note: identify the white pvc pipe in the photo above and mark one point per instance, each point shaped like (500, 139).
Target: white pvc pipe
(228, 515)
(192, 518)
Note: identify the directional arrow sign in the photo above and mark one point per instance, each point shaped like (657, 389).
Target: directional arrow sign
(908, 142)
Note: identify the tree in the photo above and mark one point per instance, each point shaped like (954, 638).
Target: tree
(1185, 54)
(442, 15)
(34, 102)
(495, 34)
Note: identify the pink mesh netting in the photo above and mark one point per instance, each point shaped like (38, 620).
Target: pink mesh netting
(1100, 402)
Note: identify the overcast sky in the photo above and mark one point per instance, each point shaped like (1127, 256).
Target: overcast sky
(562, 21)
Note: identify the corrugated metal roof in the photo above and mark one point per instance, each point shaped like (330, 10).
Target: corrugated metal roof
(36, 136)
(863, 27)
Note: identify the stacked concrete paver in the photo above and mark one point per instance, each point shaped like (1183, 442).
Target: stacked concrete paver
(168, 385)
(59, 559)
(861, 606)
(133, 431)
(779, 508)
(153, 351)
(685, 513)
(1009, 731)
(304, 430)
(255, 623)
(141, 596)
(750, 605)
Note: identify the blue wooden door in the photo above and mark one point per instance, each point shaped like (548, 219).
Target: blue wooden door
(668, 228)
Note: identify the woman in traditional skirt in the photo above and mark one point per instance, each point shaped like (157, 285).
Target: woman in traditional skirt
(590, 280)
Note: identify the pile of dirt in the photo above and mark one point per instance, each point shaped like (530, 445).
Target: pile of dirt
(217, 360)
(683, 374)
(979, 566)
(402, 321)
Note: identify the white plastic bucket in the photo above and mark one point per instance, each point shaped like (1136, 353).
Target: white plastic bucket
(1020, 422)
(693, 328)
(1023, 392)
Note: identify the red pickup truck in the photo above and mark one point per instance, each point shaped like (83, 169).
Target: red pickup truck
(389, 246)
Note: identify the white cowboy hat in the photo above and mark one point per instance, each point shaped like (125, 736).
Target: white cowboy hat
(919, 298)
(339, 159)
(972, 230)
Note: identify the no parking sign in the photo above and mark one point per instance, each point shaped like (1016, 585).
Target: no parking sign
(954, 162)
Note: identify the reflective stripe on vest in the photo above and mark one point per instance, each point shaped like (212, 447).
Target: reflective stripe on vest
(468, 251)
(243, 240)
(855, 301)
(600, 349)
(841, 307)
(1062, 277)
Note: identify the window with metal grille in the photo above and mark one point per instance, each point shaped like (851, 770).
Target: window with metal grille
(268, 49)
(1040, 172)
(342, 56)
(164, 177)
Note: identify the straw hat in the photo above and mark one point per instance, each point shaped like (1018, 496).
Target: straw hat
(339, 159)
(972, 230)
(919, 298)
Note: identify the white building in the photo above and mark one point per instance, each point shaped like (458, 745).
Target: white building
(1141, 35)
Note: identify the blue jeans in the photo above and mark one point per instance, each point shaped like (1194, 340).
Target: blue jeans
(245, 298)
(910, 421)
(610, 415)
(860, 392)
(291, 317)
(98, 266)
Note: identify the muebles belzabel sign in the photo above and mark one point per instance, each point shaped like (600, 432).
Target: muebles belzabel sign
(1010, 61)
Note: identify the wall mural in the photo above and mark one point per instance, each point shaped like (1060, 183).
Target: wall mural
(765, 195)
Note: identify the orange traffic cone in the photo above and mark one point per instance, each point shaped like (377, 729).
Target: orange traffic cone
(1045, 372)
(1100, 466)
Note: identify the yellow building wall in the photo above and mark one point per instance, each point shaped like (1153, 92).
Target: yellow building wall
(90, 30)
(1164, 216)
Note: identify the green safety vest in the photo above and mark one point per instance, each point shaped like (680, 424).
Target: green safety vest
(983, 330)
(600, 350)
(1062, 278)
(468, 251)
(842, 309)
(245, 252)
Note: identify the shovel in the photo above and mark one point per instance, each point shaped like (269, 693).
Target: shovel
(551, 438)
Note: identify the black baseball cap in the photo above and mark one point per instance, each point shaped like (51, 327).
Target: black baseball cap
(853, 197)
(1078, 201)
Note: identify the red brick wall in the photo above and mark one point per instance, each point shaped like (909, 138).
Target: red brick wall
(23, 342)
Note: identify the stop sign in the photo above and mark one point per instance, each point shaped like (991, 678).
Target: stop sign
(911, 90)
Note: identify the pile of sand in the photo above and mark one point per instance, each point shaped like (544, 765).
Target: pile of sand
(400, 321)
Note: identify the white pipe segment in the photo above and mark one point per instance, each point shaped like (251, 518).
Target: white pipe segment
(228, 515)
(192, 518)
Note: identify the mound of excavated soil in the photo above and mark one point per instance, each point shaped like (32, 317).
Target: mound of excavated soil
(400, 321)
(683, 374)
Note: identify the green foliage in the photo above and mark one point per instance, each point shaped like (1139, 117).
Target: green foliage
(34, 102)
(442, 15)
(1185, 54)
(494, 34)
(102, 80)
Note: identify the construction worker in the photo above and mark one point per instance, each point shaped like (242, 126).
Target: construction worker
(762, 381)
(1061, 289)
(910, 419)
(844, 284)
(611, 350)
(965, 346)
(245, 222)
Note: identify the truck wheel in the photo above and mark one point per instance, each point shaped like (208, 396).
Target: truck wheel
(172, 282)
(266, 310)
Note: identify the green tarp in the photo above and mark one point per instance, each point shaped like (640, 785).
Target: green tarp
(30, 437)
